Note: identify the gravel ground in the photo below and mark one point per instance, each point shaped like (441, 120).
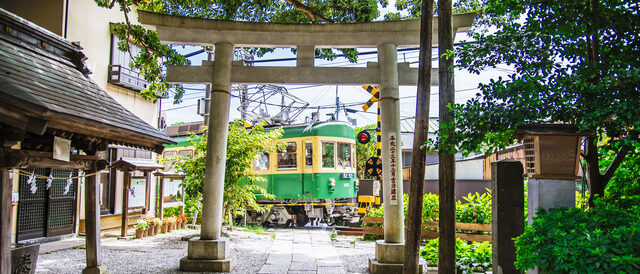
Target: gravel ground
(354, 253)
(157, 254)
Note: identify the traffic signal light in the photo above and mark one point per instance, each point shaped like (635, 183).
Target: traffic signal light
(364, 137)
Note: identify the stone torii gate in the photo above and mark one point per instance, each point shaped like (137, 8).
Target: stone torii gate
(210, 251)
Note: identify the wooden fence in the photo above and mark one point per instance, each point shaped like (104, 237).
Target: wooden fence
(433, 234)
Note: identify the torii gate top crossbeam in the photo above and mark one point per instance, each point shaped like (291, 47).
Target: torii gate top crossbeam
(195, 31)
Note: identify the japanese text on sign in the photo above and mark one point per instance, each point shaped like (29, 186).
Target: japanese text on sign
(392, 161)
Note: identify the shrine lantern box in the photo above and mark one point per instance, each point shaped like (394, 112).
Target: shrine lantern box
(552, 151)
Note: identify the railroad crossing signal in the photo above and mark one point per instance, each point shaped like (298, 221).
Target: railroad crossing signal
(376, 96)
(373, 166)
(364, 137)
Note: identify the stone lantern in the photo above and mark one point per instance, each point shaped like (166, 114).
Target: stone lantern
(552, 151)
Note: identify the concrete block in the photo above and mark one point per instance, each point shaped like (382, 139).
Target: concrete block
(549, 193)
(208, 249)
(376, 267)
(95, 270)
(190, 265)
(389, 252)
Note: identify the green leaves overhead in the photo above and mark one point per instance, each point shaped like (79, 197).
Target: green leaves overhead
(555, 78)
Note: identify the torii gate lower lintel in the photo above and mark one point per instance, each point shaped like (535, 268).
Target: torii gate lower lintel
(210, 251)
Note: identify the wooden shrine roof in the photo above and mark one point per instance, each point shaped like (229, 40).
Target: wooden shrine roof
(46, 82)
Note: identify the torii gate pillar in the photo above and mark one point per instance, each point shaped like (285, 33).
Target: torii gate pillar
(210, 251)
(390, 251)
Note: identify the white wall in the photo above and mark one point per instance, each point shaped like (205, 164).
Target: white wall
(465, 170)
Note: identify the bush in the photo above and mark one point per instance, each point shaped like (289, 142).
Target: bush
(470, 256)
(477, 208)
(604, 239)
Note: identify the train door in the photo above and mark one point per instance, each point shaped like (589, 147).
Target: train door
(308, 184)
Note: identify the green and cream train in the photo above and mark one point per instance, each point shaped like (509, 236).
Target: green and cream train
(312, 176)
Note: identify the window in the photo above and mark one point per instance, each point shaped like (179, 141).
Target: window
(120, 72)
(287, 157)
(308, 154)
(168, 164)
(344, 155)
(327, 154)
(185, 153)
(406, 158)
(261, 162)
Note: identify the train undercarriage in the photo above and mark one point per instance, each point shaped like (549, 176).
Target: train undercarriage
(284, 213)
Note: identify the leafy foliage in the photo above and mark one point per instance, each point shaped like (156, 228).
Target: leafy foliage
(603, 239)
(477, 208)
(470, 256)
(243, 145)
(575, 62)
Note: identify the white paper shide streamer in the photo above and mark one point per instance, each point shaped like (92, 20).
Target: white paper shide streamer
(49, 180)
(69, 182)
(32, 182)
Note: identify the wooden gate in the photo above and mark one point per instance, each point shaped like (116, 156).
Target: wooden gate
(46, 212)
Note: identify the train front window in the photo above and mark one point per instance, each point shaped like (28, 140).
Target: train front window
(261, 162)
(185, 153)
(287, 157)
(344, 155)
(328, 150)
(308, 154)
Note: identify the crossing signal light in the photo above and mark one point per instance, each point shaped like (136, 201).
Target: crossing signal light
(364, 137)
(373, 167)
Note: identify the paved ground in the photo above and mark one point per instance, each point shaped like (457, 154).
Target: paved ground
(306, 250)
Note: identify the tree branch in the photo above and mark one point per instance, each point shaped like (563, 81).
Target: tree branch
(615, 164)
(301, 7)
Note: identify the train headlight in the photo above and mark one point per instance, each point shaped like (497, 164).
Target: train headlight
(357, 182)
(332, 182)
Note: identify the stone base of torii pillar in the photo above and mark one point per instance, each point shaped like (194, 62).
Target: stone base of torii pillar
(207, 256)
(389, 258)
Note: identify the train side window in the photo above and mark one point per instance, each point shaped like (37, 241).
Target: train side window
(168, 164)
(353, 156)
(344, 155)
(308, 154)
(287, 157)
(185, 153)
(261, 162)
(328, 150)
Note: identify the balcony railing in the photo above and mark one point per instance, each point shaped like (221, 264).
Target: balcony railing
(127, 78)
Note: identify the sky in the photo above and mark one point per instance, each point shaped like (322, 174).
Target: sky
(353, 97)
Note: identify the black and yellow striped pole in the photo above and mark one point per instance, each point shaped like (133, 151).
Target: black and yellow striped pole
(376, 96)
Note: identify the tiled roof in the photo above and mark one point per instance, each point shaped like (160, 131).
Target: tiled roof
(50, 86)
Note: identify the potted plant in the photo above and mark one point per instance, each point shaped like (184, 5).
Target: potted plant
(151, 229)
(172, 223)
(140, 227)
(178, 222)
(157, 224)
(165, 224)
(183, 220)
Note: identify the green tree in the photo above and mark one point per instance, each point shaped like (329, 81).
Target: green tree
(243, 145)
(365, 151)
(575, 62)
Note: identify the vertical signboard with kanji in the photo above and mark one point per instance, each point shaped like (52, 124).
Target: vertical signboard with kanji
(395, 174)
